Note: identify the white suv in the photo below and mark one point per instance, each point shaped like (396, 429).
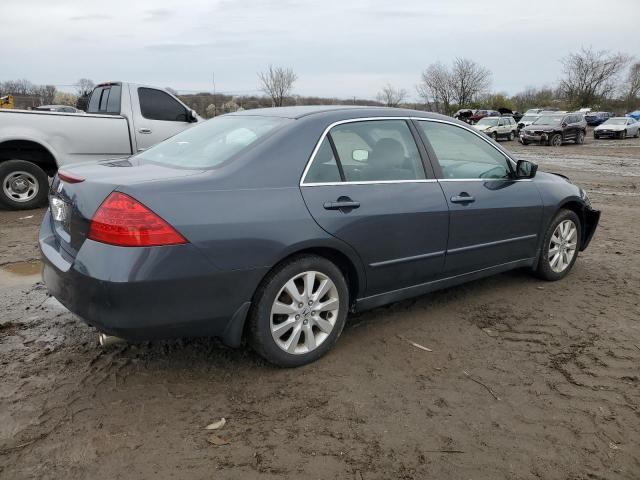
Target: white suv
(498, 127)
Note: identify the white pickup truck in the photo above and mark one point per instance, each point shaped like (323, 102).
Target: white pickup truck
(121, 119)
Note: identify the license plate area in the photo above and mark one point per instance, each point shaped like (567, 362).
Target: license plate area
(61, 215)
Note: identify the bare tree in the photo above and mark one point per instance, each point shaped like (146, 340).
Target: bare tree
(591, 76)
(277, 83)
(469, 79)
(436, 88)
(632, 86)
(84, 87)
(390, 96)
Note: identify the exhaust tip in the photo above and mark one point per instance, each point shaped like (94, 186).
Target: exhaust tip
(105, 340)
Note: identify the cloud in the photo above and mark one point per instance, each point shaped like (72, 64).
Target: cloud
(91, 16)
(191, 47)
(158, 14)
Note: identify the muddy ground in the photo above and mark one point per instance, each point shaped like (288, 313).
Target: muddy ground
(526, 380)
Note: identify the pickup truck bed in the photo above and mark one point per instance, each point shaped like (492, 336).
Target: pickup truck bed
(122, 119)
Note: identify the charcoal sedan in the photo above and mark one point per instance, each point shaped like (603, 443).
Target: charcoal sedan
(272, 225)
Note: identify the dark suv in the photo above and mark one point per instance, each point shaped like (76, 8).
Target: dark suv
(555, 129)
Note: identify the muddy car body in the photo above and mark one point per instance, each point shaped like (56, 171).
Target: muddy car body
(273, 224)
(555, 129)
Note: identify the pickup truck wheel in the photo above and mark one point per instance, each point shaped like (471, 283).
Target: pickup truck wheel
(24, 185)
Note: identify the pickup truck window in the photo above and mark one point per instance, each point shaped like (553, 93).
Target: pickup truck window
(211, 143)
(105, 100)
(157, 105)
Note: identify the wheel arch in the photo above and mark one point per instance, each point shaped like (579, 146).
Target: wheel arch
(29, 150)
(587, 222)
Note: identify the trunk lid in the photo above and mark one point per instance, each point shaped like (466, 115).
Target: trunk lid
(73, 205)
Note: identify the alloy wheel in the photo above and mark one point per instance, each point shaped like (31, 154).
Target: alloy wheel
(304, 312)
(563, 246)
(556, 140)
(20, 186)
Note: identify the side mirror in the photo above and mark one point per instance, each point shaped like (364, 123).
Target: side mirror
(192, 116)
(526, 169)
(564, 125)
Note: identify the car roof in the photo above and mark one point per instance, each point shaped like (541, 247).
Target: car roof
(348, 111)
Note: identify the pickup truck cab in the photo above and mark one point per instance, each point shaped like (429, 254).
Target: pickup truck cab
(121, 120)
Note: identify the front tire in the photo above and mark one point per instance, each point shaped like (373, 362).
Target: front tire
(23, 185)
(494, 136)
(580, 138)
(299, 311)
(512, 135)
(555, 140)
(560, 246)
(623, 134)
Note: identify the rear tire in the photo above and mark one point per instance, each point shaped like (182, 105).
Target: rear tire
(23, 185)
(566, 246)
(297, 334)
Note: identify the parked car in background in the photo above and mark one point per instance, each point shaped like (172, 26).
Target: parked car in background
(498, 127)
(464, 115)
(618, 127)
(526, 120)
(273, 224)
(121, 119)
(508, 112)
(555, 130)
(479, 114)
(57, 108)
(596, 118)
(533, 111)
(635, 115)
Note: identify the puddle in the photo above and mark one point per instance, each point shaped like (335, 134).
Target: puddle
(20, 273)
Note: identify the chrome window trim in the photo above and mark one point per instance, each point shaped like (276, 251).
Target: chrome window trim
(373, 182)
(369, 182)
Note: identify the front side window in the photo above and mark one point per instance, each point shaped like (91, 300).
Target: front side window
(463, 154)
(158, 105)
(211, 143)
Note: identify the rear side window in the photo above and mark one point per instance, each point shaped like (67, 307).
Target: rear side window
(105, 100)
(324, 168)
(212, 143)
(158, 105)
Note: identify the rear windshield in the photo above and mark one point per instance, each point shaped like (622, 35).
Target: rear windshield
(211, 143)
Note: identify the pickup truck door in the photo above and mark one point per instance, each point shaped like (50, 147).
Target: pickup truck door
(156, 116)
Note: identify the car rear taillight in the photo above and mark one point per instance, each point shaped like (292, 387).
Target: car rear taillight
(69, 177)
(122, 220)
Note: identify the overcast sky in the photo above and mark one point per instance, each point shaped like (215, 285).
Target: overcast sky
(337, 48)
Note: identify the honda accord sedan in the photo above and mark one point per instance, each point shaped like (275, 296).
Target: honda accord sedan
(272, 225)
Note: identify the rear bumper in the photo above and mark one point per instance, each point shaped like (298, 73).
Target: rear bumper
(148, 293)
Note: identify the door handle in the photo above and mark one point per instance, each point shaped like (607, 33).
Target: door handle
(144, 130)
(340, 204)
(464, 197)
